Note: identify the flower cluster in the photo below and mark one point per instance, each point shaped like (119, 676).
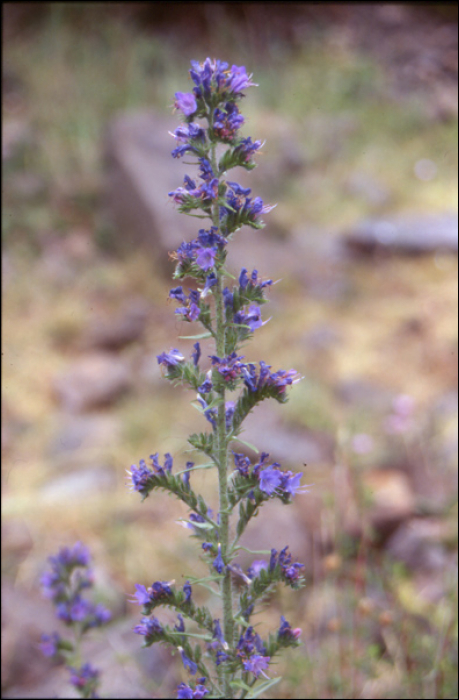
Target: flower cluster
(64, 584)
(270, 478)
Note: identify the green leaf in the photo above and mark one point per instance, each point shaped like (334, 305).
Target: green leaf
(248, 444)
(199, 336)
(239, 684)
(263, 687)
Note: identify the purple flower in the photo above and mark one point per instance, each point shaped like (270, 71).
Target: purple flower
(227, 122)
(188, 663)
(161, 589)
(149, 627)
(184, 691)
(180, 626)
(187, 591)
(229, 367)
(139, 476)
(252, 318)
(218, 634)
(84, 676)
(206, 386)
(185, 101)
(229, 413)
(207, 546)
(273, 560)
(257, 664)
(286, 631)
(49, 644)
(242, 463)
(256, 566)
(270, 479)
(186, 475)
(205, 258)
(170, 359)
(238, 79)
(291, 484)
(196, 354)
(142, 596)
(218, 562)
(247, 148)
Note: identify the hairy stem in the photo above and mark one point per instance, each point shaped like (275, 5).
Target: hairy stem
(222, 453)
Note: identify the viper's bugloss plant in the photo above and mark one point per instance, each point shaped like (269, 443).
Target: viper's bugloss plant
(64, 584)
(224, 655)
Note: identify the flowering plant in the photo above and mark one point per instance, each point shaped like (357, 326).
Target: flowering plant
(64, 585)
(229, 317)
(222, 651)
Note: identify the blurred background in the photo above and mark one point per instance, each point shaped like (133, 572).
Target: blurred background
(358, 107)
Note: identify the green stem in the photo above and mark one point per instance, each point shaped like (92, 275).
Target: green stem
(222, 450)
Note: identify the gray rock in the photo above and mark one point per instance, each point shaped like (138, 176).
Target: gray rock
(78, 485)
(139, 174)
(95, 380)
(409, 235)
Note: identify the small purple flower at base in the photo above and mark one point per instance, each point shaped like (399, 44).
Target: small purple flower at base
(257, 664)
(188, 663)
(149, 627)
(286, 631)
(270, 480)
(185, 691)
(84, 676)
(49, 644)
(185, 101)
(207, 546)
(218, 562)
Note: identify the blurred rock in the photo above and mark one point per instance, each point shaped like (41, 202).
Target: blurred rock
(115, 333)
(94, 381)
(392, 500)
(139, 174)
(418, 544)
(78, 484)
(409, 235)
(76, 434)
